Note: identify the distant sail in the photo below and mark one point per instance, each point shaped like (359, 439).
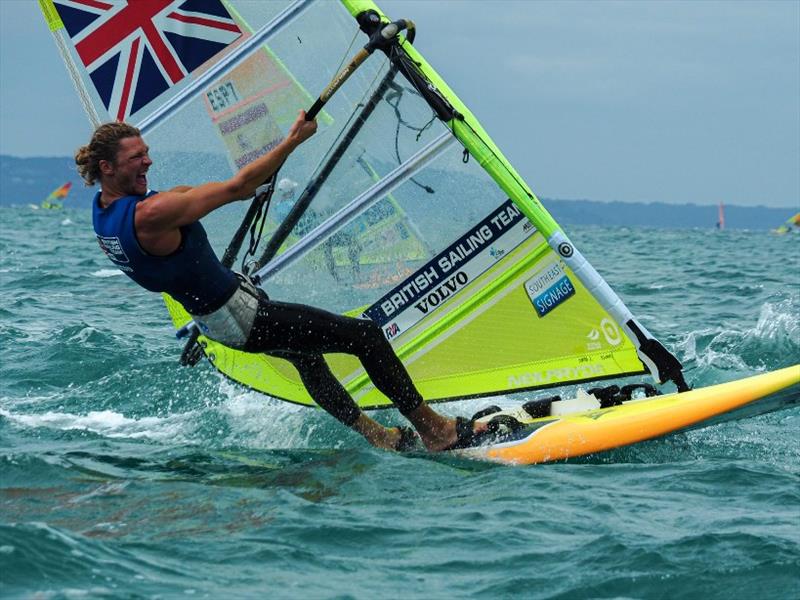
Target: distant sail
(792, 225)
(57, 196)
(721, 216)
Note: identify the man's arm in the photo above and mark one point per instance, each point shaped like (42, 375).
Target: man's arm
(165, 212)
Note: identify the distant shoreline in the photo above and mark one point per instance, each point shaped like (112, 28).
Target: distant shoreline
(25, 181)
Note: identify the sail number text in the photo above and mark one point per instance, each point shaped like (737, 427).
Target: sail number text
(222, 97)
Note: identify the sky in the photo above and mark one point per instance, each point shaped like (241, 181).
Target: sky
(635, 101)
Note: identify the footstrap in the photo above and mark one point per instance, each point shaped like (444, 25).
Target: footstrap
(540, 407)
(613, 395)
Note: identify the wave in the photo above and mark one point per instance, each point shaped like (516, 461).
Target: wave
(43, 560)
(228, 416)
(771, 343)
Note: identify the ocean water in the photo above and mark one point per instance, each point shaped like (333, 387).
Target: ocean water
(124, 475)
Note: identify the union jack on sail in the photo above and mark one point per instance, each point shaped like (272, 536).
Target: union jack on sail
(135, 51)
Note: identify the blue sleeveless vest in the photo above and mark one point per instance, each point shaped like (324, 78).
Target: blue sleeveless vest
(192, 274)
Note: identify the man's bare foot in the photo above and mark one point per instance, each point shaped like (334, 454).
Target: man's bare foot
(437, 432)
(385, 438)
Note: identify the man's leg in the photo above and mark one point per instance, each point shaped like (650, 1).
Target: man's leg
(307, 330)
(330, 395)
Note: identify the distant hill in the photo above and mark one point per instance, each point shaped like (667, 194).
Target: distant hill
(663, 215)
(29, 180)
(26, 181)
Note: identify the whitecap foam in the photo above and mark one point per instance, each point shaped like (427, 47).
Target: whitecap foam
(259, 421)
(713, 348)
(109, 424)
(778, 321)
(776, 333)
(114, 488)
(256, 420)
(103, 273)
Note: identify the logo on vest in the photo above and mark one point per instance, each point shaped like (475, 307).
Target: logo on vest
(113, 249)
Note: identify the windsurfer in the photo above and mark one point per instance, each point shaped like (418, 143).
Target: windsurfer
(156, 238)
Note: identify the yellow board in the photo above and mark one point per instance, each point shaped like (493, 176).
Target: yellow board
(551, 439)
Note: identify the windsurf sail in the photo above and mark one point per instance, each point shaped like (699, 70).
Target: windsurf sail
(56, 198)
(792, 225)
(721, 216)
(475, 285)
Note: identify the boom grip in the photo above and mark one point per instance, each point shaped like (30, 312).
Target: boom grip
(312, 112)
(382, 38)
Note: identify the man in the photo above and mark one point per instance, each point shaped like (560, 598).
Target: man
(157, 240)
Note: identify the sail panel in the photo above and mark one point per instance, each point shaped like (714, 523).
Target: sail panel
(368, 224)
(130, 54)
(253, 103)
(792, 224)
(56, 198)
(268, 89)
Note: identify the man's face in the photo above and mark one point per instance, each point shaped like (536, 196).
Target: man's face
(129, 171)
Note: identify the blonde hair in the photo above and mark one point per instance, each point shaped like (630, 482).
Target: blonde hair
(103, 146)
